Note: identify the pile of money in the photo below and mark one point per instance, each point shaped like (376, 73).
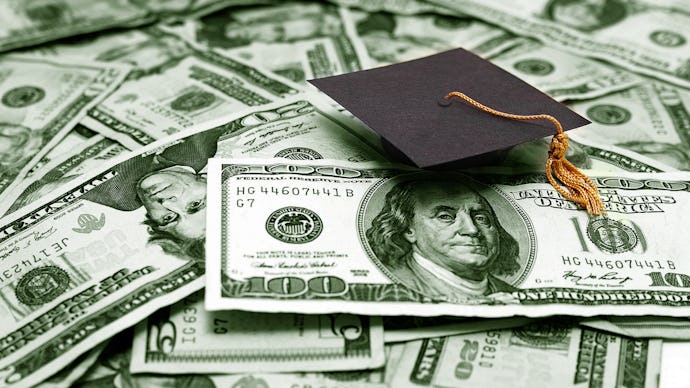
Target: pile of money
(179, 208)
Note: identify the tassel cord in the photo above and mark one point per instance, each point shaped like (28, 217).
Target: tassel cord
(559, 171)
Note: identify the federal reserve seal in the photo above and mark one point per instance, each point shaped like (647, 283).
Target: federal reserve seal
(294, 225)
(611, 235)
(23, 96)
(534, 66)
(299, 153)
(194, 100)
(42, 285)
(609, 114)
(666, 38)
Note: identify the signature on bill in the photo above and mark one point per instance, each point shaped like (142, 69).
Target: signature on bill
(582, 279)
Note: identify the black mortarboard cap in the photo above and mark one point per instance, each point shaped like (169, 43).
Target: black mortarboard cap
(404, 104)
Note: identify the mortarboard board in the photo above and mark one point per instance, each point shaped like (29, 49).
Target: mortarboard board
(404, 103)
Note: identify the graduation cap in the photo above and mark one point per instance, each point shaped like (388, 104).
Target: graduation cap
(410, 105)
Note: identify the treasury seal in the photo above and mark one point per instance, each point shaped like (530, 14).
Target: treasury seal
(294, 225)
(611, 235)
(42, 285)
(23, 96)
(666, 38)
(299, 153)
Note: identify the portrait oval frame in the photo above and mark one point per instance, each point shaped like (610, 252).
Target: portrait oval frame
(518, 226)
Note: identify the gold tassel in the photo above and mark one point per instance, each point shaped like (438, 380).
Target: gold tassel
(559, 171)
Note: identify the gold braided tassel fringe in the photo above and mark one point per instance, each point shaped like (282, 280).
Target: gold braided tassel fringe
(570, 182)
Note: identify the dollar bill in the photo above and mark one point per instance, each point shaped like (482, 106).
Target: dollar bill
(332, 236)
(26, 23)
(652, 120)
(81, 264)
(184, 338)
(643, 327)
(543, 354)
(54, 171)
(75, 138)
(586, 155)
(112, 369)
(40, 101)
(392, 38)
(643, 36)
(301, 128)
(188, 86)
(104, 251)
(296, 40)
(562, 75)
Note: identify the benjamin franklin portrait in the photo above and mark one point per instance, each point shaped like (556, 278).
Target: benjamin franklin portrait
(442, 238)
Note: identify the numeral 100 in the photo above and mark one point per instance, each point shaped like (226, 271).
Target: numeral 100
(293, 286)
(669, 279)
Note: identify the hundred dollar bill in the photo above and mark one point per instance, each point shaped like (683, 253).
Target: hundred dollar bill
(26, 23)
(652, 120)
(188, 86)
(330, 236)
(643, 327)
(391, 38)
(296, 40)
(41, 100)
(543, 354)
(643, 36)
(562, 75)
(185, 338)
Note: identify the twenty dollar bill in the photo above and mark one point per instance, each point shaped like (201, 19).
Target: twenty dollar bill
(543, 354)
